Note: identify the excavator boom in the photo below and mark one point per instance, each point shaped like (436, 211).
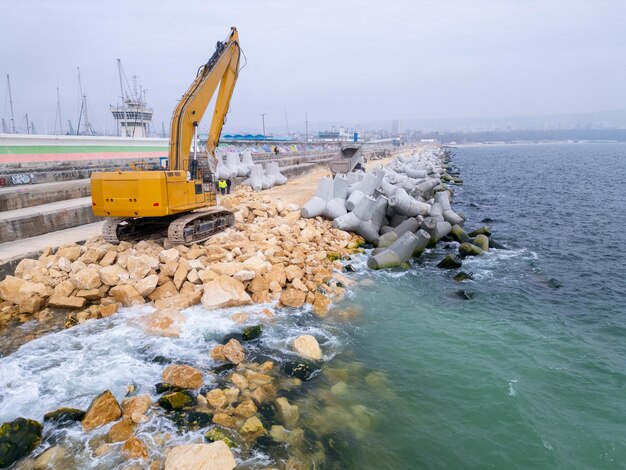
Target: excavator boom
(221, 70)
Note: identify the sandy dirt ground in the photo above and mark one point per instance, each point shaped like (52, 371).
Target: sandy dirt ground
(299, 190)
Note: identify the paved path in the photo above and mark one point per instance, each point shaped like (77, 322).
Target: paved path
(20, 248)
(53, 206)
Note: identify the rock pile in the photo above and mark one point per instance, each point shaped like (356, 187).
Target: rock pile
(271, 254)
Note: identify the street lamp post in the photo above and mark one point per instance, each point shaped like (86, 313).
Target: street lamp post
(263, 118)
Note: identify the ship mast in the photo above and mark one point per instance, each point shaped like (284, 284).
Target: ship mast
(119, 71)
(11, 104)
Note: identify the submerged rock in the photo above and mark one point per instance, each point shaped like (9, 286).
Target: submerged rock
(214, 456)
(302, 370)
(63, 416)
(252, 332)
(176, 400)
(191, 420)
(216, 434)
(233, 351)
(17, 439)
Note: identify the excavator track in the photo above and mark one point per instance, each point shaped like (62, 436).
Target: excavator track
(185, 229)
(197, 227)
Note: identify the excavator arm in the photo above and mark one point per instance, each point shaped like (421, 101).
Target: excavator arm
(221, 70)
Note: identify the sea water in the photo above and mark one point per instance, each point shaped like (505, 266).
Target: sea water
(523, 367)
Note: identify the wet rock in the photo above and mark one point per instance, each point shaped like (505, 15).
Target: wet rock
(293, 438)
(224, 420)
(126, 295)
(307, 347)
(176, 400)
(191, 420)
(224, 292)
(321, 304)
(137, 404)
(450, 262)
(349, 268)
(63, 416)
(103, 409)
(166, 322)
(302, 370)
(162, 387)
(51, 458)
(121, 430)
(293, 298)
(109, 310)
(17, 439)
(233, 351)
(216, 398)
(245, 409)
(182, 376)
(221, 370)
(216, 434)
(252, 425)
(139, 418)
(214, 456)
(252, 332)
(134, 448)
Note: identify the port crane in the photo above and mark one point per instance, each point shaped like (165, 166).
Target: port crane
(179, 199)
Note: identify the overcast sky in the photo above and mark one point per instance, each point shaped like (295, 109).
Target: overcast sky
(340, 61)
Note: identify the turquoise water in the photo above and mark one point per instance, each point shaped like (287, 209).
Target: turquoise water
(531, 372)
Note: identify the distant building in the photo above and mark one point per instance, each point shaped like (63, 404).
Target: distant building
(395, 127)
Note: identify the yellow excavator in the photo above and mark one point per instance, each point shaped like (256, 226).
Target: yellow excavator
(179, 199)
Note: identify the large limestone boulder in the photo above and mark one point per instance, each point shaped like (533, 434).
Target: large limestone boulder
(10, 289)
(72, 253)
(138, 404)
(307, 347)
(166, 322)
(227, 268)
(213, 456)
(224, 292)
(139, 266)
(293, 272)
(182, 376)
(167, 256)
(103, 409)
(126, 295)
(293, 298)
(66, 302)
(85, 279)
(113, 275)
(257, 264)
(147, 285)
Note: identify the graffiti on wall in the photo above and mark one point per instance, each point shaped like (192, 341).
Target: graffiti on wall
(23, 178)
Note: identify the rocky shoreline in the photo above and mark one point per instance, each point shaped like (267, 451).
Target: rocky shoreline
(243, 400)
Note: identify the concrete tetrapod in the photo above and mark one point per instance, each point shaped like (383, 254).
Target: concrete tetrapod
(482, 241)
(336, 207)
(256, 178)
(459, 234)
(352, 220)
(406, 205)
(399, 252)
(467, 249)
(369, 229)
(246, 161)
(274, 170)
(317, 204)
(415, 172)
(423, 239)
(364, 188)
(409, 225)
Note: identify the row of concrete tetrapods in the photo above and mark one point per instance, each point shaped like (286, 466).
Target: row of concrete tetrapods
(401, 208)
(259, 177)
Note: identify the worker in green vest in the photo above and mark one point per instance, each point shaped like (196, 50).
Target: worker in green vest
(222, 185)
